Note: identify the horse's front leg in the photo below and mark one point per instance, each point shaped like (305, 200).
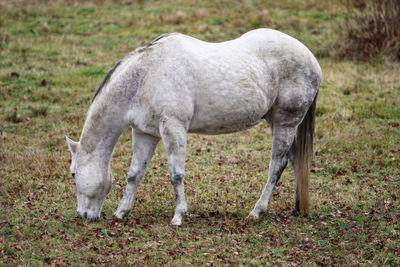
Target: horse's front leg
(174, 136)
(143, 150)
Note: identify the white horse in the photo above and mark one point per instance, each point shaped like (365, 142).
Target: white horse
(177, 84)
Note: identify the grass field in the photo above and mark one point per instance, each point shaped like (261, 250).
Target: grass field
(53, 56)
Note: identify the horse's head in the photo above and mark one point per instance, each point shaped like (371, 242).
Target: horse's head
(92, 180)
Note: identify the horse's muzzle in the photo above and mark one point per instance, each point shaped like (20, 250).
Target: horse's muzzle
(88, 215)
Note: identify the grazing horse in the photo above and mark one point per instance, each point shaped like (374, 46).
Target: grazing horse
(177, 85)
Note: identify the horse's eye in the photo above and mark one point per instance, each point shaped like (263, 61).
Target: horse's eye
(73, 175)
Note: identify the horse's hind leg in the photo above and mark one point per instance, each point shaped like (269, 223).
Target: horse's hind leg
(143, 150)
(283, 137)
(174, 137)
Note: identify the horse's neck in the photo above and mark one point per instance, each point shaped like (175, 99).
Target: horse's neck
(102, 128)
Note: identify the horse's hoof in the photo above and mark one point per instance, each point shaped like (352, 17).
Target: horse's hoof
(118, 215)
(176, 222)
(253, 216)
(116, 218)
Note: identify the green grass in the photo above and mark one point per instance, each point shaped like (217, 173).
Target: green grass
(354, 184)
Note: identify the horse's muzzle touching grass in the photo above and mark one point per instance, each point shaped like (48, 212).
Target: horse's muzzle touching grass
(89, 216)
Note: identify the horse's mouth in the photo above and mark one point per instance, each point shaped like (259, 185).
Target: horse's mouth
(88, 215)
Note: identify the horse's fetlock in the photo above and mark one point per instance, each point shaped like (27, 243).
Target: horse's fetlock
(182, 208)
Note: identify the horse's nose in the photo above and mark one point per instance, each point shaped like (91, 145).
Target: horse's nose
(84, 215)
(87, 215)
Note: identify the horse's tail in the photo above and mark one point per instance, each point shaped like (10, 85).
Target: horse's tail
(302, 150)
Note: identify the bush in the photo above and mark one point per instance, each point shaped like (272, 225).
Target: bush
(371, 29)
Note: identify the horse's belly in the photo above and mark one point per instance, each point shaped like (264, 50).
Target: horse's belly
(216, 127)
(228, 112)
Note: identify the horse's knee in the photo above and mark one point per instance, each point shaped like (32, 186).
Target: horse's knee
(134, 177)
(177, 178)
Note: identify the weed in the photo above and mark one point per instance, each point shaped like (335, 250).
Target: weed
(14, 117)
(40, 111)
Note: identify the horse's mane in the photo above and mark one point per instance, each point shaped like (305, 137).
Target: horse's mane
(137, 50)
(106, 79)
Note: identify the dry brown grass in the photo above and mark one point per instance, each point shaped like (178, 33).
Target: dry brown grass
(371, 28)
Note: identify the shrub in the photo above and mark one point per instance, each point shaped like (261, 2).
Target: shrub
(371, 28)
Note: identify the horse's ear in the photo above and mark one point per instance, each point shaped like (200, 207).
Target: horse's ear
(72, 145)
